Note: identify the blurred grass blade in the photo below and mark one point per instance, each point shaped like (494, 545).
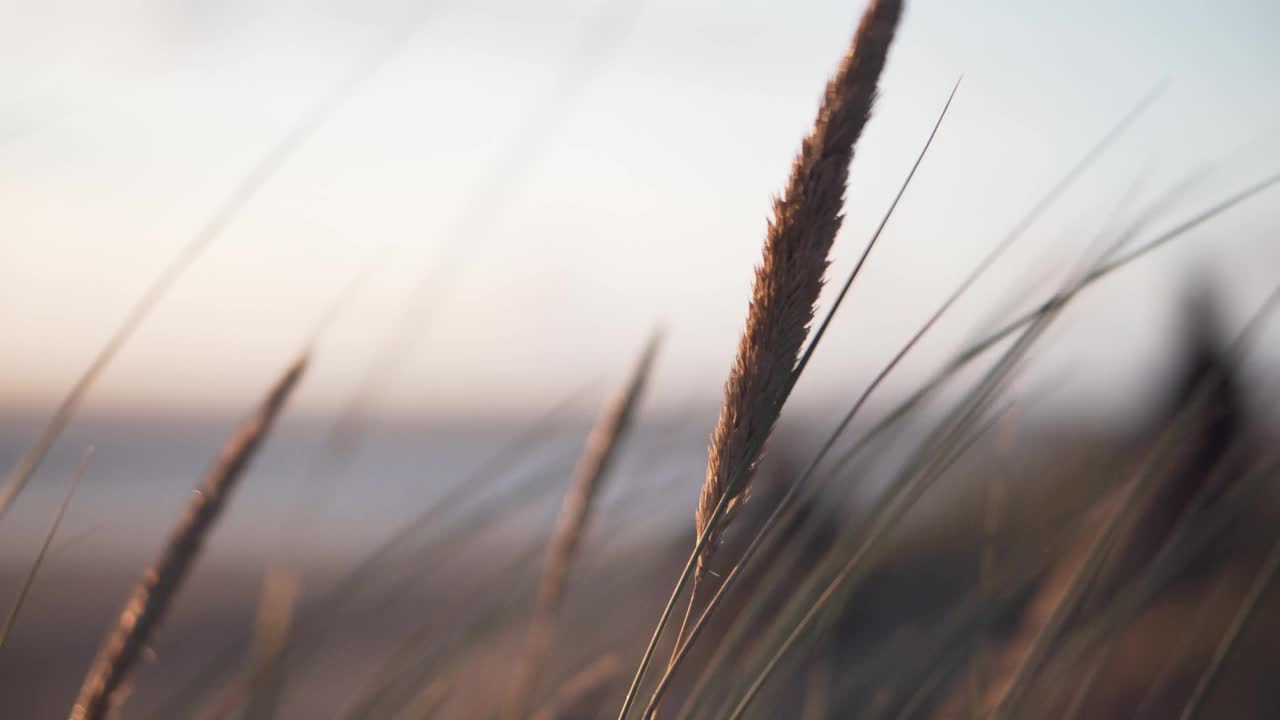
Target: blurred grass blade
(902, 496)
(593, 467)
(270, 639)
(36, 564)
(1223, 651)
(100, 696)
(313, 612)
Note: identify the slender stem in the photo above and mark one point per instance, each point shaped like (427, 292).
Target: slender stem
(36, 564)
(731, 489)
(884, 221)
(1228, 642)
(796, 487)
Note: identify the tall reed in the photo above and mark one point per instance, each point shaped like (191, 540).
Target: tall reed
(100, 696)
(783, 504)
(806, 217)
(595, 462)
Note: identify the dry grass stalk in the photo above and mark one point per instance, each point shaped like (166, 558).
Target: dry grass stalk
(152, 597)
(783, 504)
(806, 218)
(270, 640)
(258, 690)
(594, 463)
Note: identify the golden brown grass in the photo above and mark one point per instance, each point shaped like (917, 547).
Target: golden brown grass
(786, 503)
(270, 640)
(102, 693)
(806, 218)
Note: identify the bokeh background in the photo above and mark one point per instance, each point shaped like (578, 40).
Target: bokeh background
(506, 198)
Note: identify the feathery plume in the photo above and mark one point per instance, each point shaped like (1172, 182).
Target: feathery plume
(806, 218)
(152, 597)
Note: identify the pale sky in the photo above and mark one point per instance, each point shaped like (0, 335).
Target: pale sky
(584, 180)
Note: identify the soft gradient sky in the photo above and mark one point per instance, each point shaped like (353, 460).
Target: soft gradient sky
(585, 170)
